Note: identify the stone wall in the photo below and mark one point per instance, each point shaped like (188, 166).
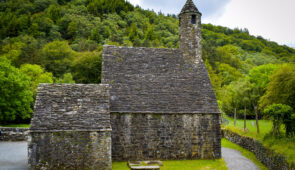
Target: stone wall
(71, 107)
(138, 136)
(269, 158)
(190, 37)
(14, 134)
(70, 150)
(71, 128)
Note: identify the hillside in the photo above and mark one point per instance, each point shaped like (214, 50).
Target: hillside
(46, 41)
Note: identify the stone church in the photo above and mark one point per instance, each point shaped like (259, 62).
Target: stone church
(153, 104)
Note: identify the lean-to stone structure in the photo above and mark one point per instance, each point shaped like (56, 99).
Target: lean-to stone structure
(162, 102)
(71, 128)
(153, 104)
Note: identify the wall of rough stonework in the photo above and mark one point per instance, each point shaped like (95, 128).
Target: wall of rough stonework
(71, 128)
(138, 136)
(70, 150)
(14, 134)
(71, 107)
(268, 157)
(190, 37)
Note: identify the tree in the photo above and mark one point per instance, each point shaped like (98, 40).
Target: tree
(15, 95)
(87, 67)
(279, 113)
(281, 88)
(258, 78)
(58, 56)
(66, 78)
(100, 7)
(12, 51)
(54, 12)
(228, 73)
(37, 75)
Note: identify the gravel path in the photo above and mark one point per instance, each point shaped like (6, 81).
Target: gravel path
(13, 155)
(235, 161)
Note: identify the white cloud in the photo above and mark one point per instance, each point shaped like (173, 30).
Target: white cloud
(136, 2)
(272, 19)
(208, 8)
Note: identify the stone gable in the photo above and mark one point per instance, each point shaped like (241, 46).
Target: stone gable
(71, 107)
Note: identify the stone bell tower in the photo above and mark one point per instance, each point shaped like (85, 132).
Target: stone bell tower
(190, 33)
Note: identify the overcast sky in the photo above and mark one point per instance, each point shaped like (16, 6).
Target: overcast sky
(272, 19)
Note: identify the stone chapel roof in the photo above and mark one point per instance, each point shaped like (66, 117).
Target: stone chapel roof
(65, 107)
(151, 80)
(189, 7)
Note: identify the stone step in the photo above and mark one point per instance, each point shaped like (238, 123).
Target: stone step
(153, 167)
(144, 165)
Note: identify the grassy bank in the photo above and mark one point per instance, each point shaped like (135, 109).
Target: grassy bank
(16, 125)
(182, 165)
(282, 145)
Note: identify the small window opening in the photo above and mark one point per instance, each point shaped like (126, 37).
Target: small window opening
(193, 19)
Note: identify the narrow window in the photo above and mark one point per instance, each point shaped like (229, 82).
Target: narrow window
(193, 19)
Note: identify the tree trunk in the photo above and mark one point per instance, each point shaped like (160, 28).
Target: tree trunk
(256, 113)
(245, 119)
(235, 116)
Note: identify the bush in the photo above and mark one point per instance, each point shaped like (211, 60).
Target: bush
(280, 113)
(15, 94)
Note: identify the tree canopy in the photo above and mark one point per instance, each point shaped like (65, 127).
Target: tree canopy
(15, 95)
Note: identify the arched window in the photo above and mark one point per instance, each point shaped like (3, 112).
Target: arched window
(193, 19)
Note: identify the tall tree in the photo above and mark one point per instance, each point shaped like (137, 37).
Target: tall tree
(58, 56)
(15, 94)
(37, 75)
(281, 88)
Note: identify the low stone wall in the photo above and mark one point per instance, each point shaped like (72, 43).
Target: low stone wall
(139, 136)
(269, 158)
(14, 134)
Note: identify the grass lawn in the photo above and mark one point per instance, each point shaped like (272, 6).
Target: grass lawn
(227, 144)
(265, 127)
(282, 145)
(16, 125)
(182, 165)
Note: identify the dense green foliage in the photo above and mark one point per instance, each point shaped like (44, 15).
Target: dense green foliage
(37, 75)
(280, 114)
(15, 94)
(62, 41)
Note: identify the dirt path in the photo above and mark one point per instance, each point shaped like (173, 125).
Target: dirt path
(235, 161)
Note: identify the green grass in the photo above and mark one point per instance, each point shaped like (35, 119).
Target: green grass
(282, 145)
(182, 165)
(16, 125)
(227, 144)
(265, 127)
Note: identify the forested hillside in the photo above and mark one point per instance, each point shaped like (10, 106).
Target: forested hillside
(60, 41)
